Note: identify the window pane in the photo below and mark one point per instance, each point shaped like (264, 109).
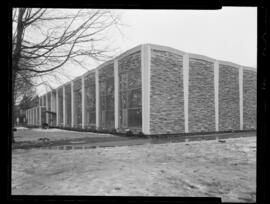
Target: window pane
(134, 99)
(110, 102)
(102, 88)
(123, 117)
(123, 100)
(110, 118)
(110, 85)
(102, 102)
(92, 117)
(134, 80)
(134, 117)
(123, 81)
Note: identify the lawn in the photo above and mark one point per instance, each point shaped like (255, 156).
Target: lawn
(200, 168)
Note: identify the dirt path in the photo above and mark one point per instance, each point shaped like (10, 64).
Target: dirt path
(205, 168)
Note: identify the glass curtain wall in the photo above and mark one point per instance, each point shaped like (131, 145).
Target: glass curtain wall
(106, 88)
(60, 106)
(130, 95)
(77, 90)
(68, 105)
(90, 101)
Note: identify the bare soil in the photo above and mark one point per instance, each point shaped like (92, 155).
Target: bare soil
(225, 169)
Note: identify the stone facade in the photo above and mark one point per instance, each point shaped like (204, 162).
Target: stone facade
(249, 99)
(229, 108)
(166, 93)
(201, 96)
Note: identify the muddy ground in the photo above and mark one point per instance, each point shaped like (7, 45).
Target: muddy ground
(200, 168)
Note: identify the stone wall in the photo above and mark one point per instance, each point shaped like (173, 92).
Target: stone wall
(166, 99)
(229, 108)
(201, 107)
(249, 99)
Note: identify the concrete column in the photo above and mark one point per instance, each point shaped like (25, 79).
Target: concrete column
(27, 116)
(146, 73)
(64, 106)
(83, 103)
(186, 84)
(116, 95)
(37, 115)
(47, 108)
(52, 101)
(72, 104)
(34, 115)
(216, 88)
(40, 105)
(57, 108)
(97, 98)
(241, 96)
(39, 109)
(31, 116)
(51, 108)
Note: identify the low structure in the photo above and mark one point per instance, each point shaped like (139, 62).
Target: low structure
(156, 90)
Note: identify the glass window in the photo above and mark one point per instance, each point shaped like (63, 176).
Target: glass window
(110, 85)
(134, 117)
(102, 88)
(123, 100)
(92, 117)
(123, 81)
(110, 118)
(109, 102)
(134, 80)
(134, 98)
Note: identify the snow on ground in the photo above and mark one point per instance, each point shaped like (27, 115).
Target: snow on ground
(53, 134)
(201, 168)
(21, 128)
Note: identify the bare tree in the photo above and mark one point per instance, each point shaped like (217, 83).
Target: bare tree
(44, 40)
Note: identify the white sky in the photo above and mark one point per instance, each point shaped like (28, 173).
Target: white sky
(228, 34)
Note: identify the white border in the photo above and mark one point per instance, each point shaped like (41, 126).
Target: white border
(216, 87)
(83, 101)
(116, 95)
(186, 88)
(241, 96)
(97, 97)
(145, 74)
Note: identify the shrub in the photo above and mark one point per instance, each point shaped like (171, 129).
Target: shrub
(45, 125)
(113, 131)
(129, 133)
(141, 134)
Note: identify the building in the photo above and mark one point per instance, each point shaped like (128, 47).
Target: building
(156, 90)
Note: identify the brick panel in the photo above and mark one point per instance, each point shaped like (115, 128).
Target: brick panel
(229, 109)
(201, 106)
(249, 99)
(166, 99)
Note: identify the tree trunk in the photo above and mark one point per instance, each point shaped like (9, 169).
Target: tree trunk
(13, 104)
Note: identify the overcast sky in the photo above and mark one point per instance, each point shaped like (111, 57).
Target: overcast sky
(228, 34)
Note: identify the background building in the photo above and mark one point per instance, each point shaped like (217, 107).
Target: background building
(156, 90)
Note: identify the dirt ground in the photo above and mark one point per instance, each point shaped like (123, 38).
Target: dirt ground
(200, 168)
